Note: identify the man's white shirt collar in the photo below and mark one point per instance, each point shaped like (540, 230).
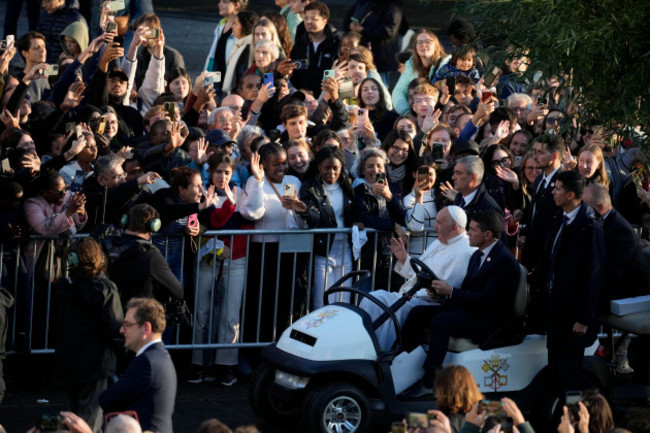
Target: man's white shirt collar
(146, 346)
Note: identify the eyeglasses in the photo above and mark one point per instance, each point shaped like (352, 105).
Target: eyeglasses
(532, 168)
(552, 120)
(425, 100)
(424, 42)
(127, 325)
(397, 149)
(502, 162)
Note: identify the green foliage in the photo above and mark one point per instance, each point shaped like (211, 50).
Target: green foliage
(601, 47)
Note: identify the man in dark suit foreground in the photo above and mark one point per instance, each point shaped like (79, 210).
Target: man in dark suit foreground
(480, 306)
(622, 277)
(572, 267)
(149, 384)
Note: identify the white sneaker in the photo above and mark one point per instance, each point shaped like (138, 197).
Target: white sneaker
(623, 367)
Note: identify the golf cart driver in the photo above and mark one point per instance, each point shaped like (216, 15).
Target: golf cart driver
(447, 257)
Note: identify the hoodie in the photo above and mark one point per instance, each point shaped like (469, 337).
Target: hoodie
(78, 31)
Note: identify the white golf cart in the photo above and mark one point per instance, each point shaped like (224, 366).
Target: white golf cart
(328, 368)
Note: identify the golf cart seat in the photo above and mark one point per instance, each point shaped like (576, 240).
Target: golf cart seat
(509, 334)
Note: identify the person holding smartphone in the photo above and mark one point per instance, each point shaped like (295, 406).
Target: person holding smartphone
(378, 205)
(373, 101)
(420, 204)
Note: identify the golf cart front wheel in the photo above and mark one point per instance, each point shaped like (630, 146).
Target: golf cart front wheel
(264, 404)
(336, 408)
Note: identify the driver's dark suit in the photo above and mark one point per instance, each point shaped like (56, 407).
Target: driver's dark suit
(475, 310)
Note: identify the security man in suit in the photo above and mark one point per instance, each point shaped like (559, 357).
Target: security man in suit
(622, 277)
(148, 386)
(572, 268)
(474, 310)
(468, 181)
(539, 220)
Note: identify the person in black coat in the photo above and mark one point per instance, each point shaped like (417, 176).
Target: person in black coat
(543, 214)
(539, 220)
(622, 272)
(378, 204)
(89, 316)
(314, 29)
(378, 22)
(477, 308)
(141, 269)
(148, 385)
(572, 271)
(108, 195)
(329, 205)
(472, 195)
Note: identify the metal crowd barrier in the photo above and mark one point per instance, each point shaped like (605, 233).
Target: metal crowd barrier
(31, 319)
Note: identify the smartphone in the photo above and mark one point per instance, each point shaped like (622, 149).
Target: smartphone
(78, 131)
(51, 70)
(329, 73)
(268, 78)
(6, 165)
(77, 182)
(211, 78)
(518, 159)
(49, 423)
(289, 190)
(193, 220)
(69, 126)
(419, 420)
(362, 116)
(119, 40)
(152, 34)
(380, 178)
(301, 64)
(437, 151)
(493, 407)
(170, 108)
(115, 5)
(10, 39)
(111, 27)
(344, 56)
(423, 175)
(398, 427)
(101, 126)
(486, 96)
(451, 85)
(571, 399)
(490, 76)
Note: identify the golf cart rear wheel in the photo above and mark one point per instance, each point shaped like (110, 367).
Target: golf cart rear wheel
(336, 408)
(262, 401)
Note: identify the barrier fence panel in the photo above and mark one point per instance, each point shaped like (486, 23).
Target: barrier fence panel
(235, 303)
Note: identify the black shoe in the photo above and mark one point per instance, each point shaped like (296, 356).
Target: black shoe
(226, 376)
(417, 391)
(201, 375)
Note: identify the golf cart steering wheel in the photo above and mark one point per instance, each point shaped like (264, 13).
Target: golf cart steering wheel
(423, 272)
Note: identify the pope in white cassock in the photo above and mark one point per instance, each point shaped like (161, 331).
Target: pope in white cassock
(447, 257)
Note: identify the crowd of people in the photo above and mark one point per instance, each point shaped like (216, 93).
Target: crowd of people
(294, 124)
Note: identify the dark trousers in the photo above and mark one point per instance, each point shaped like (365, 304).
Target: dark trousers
(270, 303)
(84, 401)
(444, 324)
(12, 14)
